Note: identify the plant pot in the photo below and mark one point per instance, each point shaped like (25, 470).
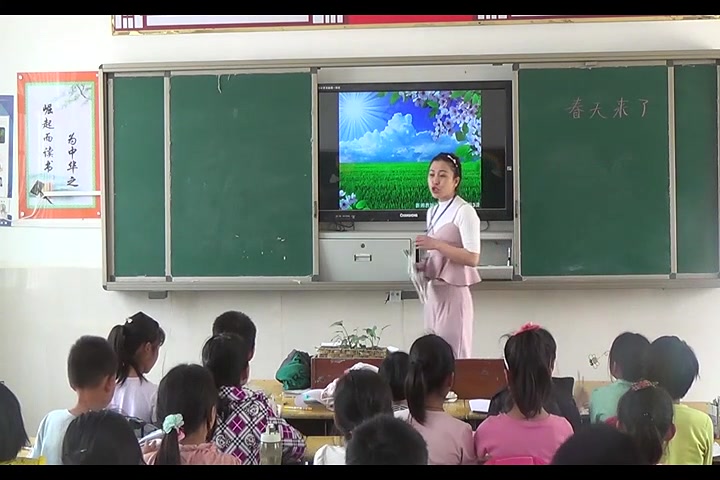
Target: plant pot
(344, 353)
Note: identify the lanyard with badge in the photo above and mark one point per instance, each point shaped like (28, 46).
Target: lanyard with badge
(431, 224)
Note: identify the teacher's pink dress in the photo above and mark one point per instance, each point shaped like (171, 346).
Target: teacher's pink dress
(449, 309)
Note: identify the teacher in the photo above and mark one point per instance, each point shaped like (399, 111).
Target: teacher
(452, 243)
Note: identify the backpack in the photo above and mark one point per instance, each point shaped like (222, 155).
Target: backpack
(294, 371)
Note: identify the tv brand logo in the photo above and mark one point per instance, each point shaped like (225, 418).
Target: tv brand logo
(408, 215)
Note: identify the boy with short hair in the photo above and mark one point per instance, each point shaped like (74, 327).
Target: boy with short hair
(385, 440)
(673, 365)
(91, 368)
(238, 323)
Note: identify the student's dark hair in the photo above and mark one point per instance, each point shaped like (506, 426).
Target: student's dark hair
(360, 395)
(187, 390)
(126, 339)
(226, 357)
(645, 413)
(628, 351)
(673, 365)
(14, 436)
(385, 440)
(529, 356)
(90, 361)
(598, 444)
(238, 323)
(431, 364)
(394, 370)
(101, 437)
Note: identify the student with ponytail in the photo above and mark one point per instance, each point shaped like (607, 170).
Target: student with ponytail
(137, 345)
(186, 401)
(645, 413)
(527, 430)
(430, 377)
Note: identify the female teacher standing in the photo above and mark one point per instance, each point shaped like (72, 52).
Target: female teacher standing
(452, 242)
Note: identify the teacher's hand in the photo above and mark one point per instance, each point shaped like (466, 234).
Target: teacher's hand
(423, 242)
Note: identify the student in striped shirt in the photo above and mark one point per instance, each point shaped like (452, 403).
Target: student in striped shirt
(243, 414)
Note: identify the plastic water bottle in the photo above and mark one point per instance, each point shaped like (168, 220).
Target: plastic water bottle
(271, 446)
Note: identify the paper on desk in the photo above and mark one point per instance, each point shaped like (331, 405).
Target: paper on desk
(479, 405)
(417, 278)
(716, 450)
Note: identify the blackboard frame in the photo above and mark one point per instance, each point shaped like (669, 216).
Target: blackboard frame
(442, 60)
(561, 280)
(168, 282)
(681, 275)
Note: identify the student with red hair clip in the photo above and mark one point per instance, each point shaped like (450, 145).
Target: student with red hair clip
(527, 434)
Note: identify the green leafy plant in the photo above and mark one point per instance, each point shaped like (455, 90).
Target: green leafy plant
(358, 338)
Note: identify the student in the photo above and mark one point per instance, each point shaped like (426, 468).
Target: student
(599, 444)
(137, 345)
(359, 396)
(430, 377)
(394, 370)
(239, 324)
(645, 413)
(13, 436)
(527, 430)
(102, 437)
(384, 440)
(187, 400)
(560, 402)
(673, 365)
(243, 414)
(91, 368)
(626, 366)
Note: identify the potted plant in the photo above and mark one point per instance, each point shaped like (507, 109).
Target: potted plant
(361, 343)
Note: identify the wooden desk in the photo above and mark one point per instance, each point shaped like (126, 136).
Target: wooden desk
(317, 421)
(474, 377)
(459, 409)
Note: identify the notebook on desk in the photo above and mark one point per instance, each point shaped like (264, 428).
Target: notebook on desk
(479, 405)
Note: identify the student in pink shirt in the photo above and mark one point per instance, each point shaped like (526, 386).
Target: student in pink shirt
(187, 403)
(430, 377)
(527, 431)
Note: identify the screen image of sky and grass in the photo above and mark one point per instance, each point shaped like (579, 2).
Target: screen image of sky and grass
(387, 140)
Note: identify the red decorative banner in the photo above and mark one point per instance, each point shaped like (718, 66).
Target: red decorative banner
(199, 23)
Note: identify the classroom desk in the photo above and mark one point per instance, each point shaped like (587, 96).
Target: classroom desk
(459, 409)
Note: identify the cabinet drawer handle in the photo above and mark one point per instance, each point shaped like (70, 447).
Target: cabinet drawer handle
(362, 257)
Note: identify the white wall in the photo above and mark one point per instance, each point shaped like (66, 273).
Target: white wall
(50, 277)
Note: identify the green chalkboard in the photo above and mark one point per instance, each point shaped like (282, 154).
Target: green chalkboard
(594, 171)
(242, 175)
(138, 176)
(696, 166)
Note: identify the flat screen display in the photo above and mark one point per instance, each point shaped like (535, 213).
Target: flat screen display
(376, 142)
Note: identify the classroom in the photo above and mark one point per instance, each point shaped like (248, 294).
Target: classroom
(55, 282)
